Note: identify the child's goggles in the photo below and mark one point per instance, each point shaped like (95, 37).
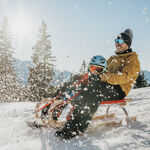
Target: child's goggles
(96, 68)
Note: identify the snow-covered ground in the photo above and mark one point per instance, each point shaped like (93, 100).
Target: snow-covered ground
(16, 135)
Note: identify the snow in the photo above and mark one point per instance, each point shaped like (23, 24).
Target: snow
(16, 135)
(144, 10)
(109, 3)
(147, 19)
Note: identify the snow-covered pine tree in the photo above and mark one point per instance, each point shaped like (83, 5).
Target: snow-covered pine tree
(140, 81)
(42, 73)
(83, 68)
(11, 89)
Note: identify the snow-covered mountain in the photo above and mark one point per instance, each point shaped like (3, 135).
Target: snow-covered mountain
(16, 135)
(61, 75)
(22, 71)
(146, 75)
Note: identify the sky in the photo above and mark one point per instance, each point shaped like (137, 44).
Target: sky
(79, 29)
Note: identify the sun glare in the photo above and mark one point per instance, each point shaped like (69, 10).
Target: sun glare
(21, 26)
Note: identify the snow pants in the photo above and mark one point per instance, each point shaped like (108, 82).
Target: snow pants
(90, 98)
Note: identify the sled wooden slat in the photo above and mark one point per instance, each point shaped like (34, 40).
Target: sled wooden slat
(106, 123)
(131, 119)
(103, 116)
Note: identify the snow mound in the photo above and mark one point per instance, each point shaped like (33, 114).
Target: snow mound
(16, 135)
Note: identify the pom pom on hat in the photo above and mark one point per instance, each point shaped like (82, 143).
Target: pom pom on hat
(127, 36)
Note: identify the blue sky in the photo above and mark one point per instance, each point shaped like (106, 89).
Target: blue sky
(79, 28)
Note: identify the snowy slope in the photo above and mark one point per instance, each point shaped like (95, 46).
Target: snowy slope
(15, 135)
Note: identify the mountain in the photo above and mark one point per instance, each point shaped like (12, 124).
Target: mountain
(146, 75)
(22, 71)
(61, 76)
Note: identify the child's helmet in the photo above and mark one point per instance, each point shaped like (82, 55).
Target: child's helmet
(98, 63)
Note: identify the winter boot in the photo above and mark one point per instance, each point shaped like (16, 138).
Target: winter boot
(68, 131)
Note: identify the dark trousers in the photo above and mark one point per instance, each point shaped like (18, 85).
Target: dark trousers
(88, 104)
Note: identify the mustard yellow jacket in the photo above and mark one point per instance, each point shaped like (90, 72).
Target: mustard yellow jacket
(123, 69)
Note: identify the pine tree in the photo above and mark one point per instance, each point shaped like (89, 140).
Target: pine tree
(140, 81)
(83, 68)
(10, 87)
(6, 50)
(42, 73)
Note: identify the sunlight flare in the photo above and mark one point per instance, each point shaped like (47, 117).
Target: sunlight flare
(21, 26)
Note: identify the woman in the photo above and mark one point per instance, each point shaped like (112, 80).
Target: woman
(122, 70)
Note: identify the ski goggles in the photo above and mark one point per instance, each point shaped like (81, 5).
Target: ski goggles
(96, 68)
(119, 41)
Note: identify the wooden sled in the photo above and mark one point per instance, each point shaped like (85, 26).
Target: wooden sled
(109, 118)
(106, 119)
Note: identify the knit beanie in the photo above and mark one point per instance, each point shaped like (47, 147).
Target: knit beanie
(127, 36)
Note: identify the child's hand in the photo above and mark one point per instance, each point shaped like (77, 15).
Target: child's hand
(95, 73)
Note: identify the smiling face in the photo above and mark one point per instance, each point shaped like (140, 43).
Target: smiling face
(121, 47)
